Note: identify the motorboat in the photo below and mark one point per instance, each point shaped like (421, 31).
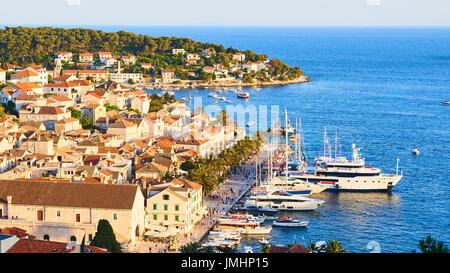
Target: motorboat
(243, 95)
(263, 241)
(445, 102)
(415, 151)
(259, 210)
(296, 186)
(248, 249)
(250, 123)
(255, 230)
(290, 222)
(283, 201)
(214, 102)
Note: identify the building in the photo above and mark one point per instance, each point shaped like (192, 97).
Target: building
(2, 76)
(128, 60)
(126, 77)
(178, 51)
(86, 57)
(68, 89)
(66, 125)
(177, 204)
(104, 55)
(66, 211)
(239, 57)
(45, 114)
(124, 129)
(95, 75)
(64, 56)
(168, 75)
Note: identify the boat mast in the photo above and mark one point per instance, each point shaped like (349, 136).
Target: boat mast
(335, 145)
(324, 141)
(286, 147)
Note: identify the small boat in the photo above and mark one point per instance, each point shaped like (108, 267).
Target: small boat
(243, 95)
(289, 222)
(255, 230)
(415, 151)
(248, 249)
(263, 241)
(250, 123)
(445, 102)
(254, 209)
(214, 102)
(228, 101)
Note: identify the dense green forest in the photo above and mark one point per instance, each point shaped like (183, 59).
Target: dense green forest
(25, 45)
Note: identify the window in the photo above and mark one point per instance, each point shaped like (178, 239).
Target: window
(166, 197)
(46, 237)
(177, 218)
(73, 239)
(166, 207)
(166, 217)
(155, 217)
(90, 237)
(177, 208)
(78, 218)
(115, 216)
(58, 213)
(155, 207)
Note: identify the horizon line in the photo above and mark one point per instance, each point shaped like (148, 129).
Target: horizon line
(281, 26)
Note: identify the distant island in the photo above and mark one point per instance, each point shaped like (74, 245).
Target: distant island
(132, 58)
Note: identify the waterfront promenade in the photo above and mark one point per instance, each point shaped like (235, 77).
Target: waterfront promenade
(218, 203)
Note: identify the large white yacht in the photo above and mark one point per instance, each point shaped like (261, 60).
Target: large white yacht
(281, 200)
(295, 186)
(350, 175)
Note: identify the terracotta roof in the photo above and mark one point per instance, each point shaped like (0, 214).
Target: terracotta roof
(297, 248)
(105, 150)
(186, 183)
(121, 123)
(25, 73)
(49, 110)
(85, 71)
(61, 84)
(18, 232)
(69, 194)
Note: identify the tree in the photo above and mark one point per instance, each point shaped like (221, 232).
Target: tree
(105, 237)
(334, 246)
(193, 247)
(430, 245)
(265, 249)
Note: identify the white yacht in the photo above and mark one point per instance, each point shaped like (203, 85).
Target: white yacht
(415, 151)
(281, 200)
(296, 186)
(350, 175)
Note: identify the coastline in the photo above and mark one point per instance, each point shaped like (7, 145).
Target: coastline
(220, 84)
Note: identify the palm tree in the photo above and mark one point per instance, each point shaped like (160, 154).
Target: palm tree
(193, 247)
(430, 245)
(265, 249)
(334, 246)
(315, 248)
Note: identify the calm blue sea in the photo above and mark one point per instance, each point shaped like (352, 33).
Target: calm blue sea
(380, 88)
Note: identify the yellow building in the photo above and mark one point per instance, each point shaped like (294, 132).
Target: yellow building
(177, 204)
(67, 211)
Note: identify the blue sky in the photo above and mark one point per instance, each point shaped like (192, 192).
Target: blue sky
(227, 12)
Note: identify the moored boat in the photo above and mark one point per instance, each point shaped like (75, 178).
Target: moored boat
(290, 222)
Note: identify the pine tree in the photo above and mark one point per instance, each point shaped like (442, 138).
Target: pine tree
(105, 237)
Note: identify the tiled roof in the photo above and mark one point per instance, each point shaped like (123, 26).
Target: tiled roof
(68, 194)
(25, 73)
